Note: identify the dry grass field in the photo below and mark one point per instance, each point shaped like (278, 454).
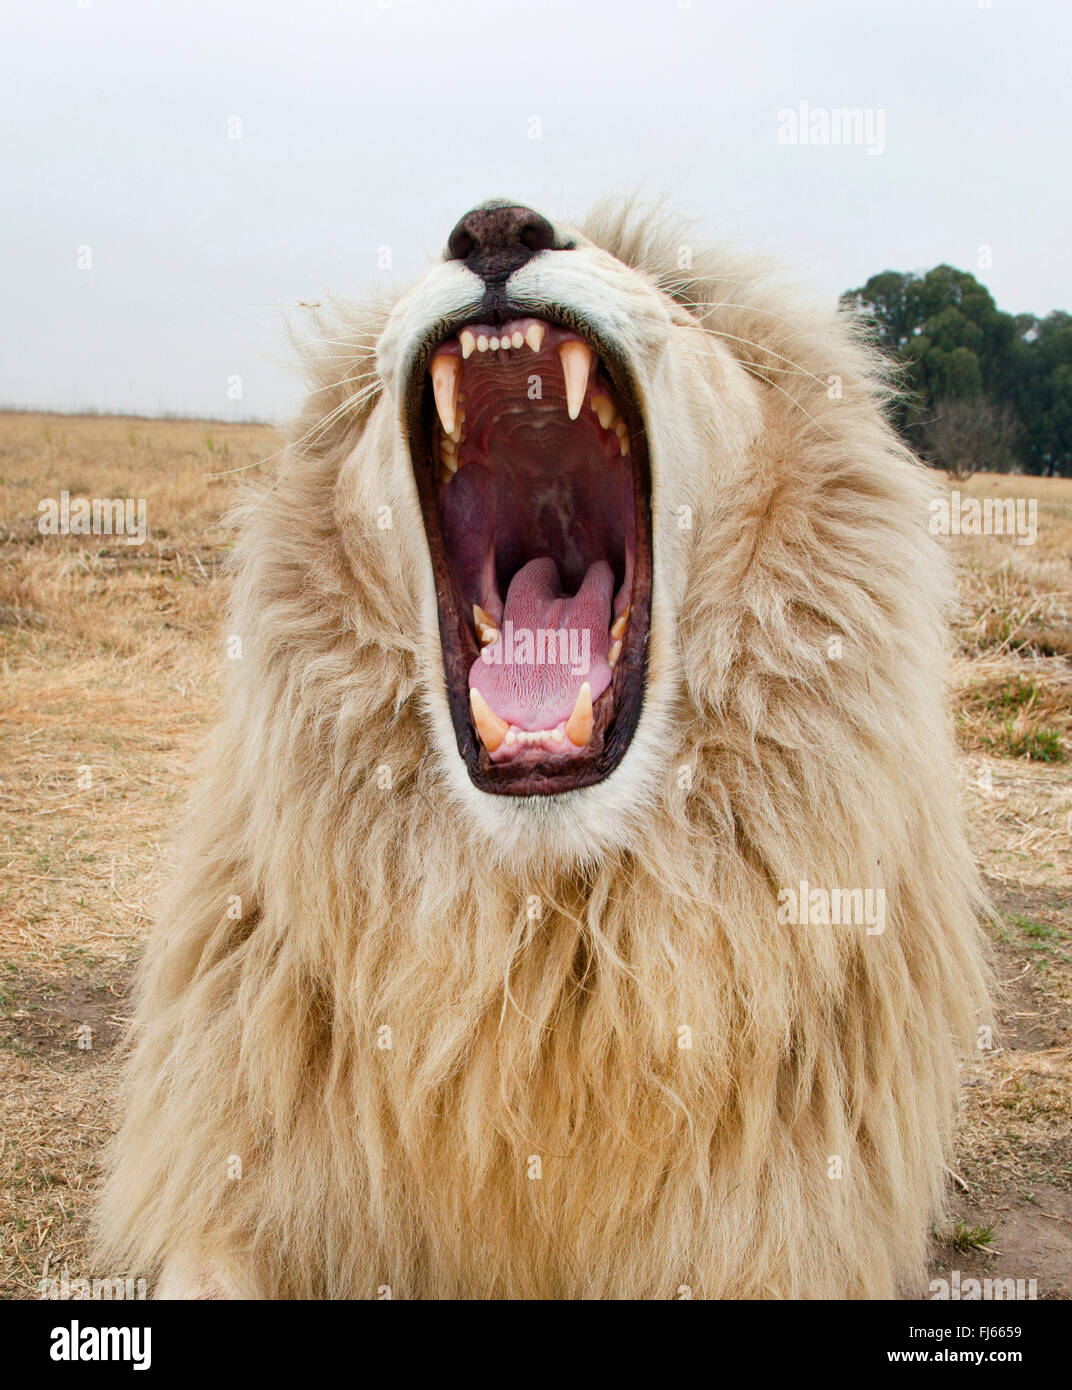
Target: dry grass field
(110, 654)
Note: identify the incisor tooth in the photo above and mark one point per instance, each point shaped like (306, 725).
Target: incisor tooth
(579, 724)
(467, 341)
(617, 627)
(493, 343)
(534, 336)
(482, 343)
(489, 726)
(446, 374)
(576, 359)
(517, 337)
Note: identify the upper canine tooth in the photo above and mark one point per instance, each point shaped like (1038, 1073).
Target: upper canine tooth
(489, 726)
(579, 724)
(576, 359)
(534, 335)
(468, 342)
(605, 408)
(617, 627)
(446, 375)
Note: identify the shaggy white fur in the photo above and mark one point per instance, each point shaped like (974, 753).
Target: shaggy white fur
(477, 1046)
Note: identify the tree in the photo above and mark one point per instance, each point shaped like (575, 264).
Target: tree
(1049, 395)
(972, 436)
(1013, 373)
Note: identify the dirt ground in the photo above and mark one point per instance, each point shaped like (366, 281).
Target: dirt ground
(109, 654)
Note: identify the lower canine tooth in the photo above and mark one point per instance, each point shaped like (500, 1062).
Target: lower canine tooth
(485, 626)
(576, 359)
(446, 372)
(534, 336)
(579, 724)
(489, 726)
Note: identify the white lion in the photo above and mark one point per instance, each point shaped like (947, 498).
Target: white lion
(502, 965)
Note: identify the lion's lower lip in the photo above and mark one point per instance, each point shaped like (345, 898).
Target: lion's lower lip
(529, 486)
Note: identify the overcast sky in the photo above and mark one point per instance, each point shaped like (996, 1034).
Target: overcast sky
(372, 123)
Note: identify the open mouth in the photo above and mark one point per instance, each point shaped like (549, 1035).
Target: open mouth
(528, 448)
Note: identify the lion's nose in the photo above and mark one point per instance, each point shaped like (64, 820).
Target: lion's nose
(496, 239)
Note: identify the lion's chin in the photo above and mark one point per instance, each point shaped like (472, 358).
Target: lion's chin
(529, 452)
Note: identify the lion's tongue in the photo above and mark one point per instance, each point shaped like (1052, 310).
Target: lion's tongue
(521, 675)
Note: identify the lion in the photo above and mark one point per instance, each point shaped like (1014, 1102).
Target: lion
(575, 901)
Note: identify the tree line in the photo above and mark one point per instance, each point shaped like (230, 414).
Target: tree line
(984, 391)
